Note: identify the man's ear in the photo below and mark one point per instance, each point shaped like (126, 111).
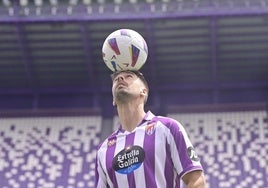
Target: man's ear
(114, 104)
(144, 91)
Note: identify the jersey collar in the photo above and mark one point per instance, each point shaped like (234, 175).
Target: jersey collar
(148, 116)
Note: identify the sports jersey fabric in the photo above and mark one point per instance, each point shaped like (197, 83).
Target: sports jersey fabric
(156, 154)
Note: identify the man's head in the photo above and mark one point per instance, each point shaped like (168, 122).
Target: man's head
(129, 83)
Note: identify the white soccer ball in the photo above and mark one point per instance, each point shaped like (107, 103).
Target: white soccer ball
(124, 49)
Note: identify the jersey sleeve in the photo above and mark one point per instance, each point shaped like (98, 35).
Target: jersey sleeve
(182, 151)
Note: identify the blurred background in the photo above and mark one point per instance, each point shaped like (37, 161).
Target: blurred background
(207, 67)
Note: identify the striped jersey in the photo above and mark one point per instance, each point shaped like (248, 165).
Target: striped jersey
(156, 154)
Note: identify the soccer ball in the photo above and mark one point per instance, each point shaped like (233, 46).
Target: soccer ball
(124, 49)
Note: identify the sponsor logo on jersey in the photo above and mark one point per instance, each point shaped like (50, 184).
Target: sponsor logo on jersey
(128, 159)
(192, 154)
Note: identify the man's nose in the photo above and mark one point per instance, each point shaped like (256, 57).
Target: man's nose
(120, 77)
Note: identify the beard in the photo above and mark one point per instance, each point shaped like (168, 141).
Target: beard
(122, 96)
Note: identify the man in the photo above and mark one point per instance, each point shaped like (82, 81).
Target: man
(147, 151)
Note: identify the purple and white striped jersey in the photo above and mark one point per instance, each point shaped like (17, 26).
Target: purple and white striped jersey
(157, 153)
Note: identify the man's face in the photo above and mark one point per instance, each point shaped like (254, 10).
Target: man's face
(127, 85)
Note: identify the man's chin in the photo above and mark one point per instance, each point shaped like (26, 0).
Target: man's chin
(122, 96)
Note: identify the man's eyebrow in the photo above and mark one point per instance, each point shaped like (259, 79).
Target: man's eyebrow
(125, 72)
(115, 75)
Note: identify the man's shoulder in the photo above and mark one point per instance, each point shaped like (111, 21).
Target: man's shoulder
(109, 140)
(168, 123)
(165, 120)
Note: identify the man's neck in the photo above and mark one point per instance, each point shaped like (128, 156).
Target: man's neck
(130, 115)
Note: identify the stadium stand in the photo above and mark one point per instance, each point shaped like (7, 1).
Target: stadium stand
(59, 151)
(232, 145)
(43, 152)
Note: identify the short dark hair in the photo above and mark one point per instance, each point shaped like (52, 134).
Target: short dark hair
(138, 74)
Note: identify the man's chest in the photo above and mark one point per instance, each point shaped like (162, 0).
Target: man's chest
(126, 153)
